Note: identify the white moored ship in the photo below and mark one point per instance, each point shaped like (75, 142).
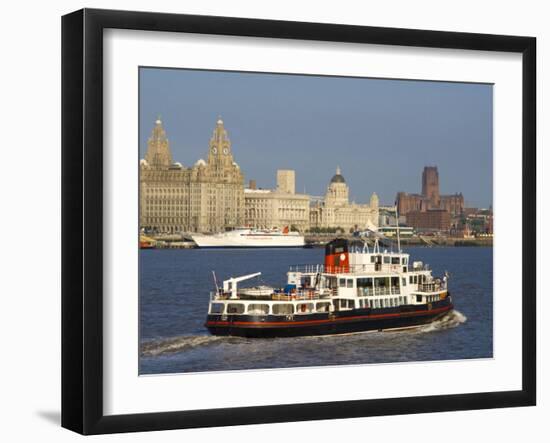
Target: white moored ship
(251, 238)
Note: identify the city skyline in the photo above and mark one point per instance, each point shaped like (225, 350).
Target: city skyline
(363, 124)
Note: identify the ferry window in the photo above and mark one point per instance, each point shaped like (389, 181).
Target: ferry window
(216, 308)
(419, 299)
(346, 303)
(235, 308)
(404, 260)
(411, 279)
(342, 282)
(304, 308)
(350, 283)
(404, 281)
(386, 259)
(323, 307)
(395, 281)
(416, 278)
(364, 282)
(283, 309)
(372, 259)
(395, 260)
(404, 269)
(254, 308)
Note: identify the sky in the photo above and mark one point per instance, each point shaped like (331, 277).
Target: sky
(380, 132)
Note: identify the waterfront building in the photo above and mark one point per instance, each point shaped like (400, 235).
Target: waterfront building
(429, 220)
(430, 197)
(280, 207)
(335, 210)
(207, 197)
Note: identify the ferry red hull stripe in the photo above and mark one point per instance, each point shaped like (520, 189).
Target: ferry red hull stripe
(311, 322)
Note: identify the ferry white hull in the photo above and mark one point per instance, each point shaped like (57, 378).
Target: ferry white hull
(248, 240)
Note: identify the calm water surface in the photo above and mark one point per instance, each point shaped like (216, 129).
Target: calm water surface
(174, 292)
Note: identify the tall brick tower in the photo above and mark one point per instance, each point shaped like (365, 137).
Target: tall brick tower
(430, 185)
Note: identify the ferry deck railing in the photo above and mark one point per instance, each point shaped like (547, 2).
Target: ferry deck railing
(355, 268)
(299, 294)
(431, 287)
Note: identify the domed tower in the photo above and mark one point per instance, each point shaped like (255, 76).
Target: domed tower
(338, 191)
(158, 148)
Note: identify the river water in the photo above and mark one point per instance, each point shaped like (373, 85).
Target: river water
(174, 293)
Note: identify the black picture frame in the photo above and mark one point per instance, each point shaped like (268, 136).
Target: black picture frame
(82, 220)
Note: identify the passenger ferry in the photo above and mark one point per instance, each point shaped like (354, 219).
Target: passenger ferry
(356, 289)
(251, 238)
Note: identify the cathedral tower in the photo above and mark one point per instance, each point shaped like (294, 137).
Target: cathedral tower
(430, 185)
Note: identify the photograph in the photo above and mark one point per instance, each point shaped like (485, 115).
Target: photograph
(299, 220)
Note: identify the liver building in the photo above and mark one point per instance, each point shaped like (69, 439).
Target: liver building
(207, 197)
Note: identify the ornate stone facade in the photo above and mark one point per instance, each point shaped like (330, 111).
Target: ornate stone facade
(335, 211)
(207, 197)
(266, 208)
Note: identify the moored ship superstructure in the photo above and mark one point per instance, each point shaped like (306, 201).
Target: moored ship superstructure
(356, 289)
(251, 238)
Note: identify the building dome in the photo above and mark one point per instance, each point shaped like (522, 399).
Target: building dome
(200, 162)
(337, 178)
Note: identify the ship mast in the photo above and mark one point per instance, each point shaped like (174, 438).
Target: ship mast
(397, 226)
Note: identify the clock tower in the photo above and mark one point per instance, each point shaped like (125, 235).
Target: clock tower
(219, 154)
